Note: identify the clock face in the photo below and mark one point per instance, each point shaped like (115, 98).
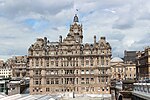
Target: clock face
(75, 30)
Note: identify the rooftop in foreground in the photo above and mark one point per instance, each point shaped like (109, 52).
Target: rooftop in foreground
(54, 97)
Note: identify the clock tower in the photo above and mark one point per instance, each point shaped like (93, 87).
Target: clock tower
(76, 29)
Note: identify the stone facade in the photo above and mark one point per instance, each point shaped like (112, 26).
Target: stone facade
(5, 70)
(69, 65)
(122, 70)
(20, 67)
(143, 63)
(130, 56)
(117, 69)
(130, 63)
(130, 71)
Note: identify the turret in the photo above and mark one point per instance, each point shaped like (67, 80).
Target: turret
(94, 39)
(45, 41)
(60, 39)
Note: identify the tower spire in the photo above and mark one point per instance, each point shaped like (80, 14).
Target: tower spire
(75, 18)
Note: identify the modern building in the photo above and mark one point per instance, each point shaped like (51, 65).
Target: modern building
(69, 65)
(5, 70)
(20, 68)
(143, 63)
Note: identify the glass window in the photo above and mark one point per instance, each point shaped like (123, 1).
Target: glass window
(52, 62)
(47, 89)
(52, 81)
(102, 60)
(56, 81)
(47, 81)
(92, 79)
(130, 69)
(87, 62)
(92, 71)
(82, 72)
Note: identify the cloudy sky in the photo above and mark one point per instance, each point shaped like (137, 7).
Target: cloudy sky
(124, 23)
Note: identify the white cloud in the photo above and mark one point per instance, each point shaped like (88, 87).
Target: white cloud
(126, 24)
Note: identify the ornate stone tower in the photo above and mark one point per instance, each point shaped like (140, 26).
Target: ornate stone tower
(76, 30)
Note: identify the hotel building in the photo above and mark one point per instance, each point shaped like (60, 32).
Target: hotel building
(70, 65)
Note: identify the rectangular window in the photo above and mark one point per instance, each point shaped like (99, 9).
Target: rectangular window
(37, 63)
(47, 81)
(47, 63)
(56, 81)
(87, 80)
(56, 63)
(92, 71)
(97, 61)
(47, 89)
(52, 72)
(99, 79)
(83, 88)
(118, 69)
(102, 79)
(92, 79)
(82, 61)
(102, 60)
(82, 79)
(103, 89)
(77, 71)
(91, 61)
(52, 81)
(61, 63)
(87, 89)
(82, 72)
(107, 89)
(52, 63)
(107, 62)
(37, 72)
(92, 88)
(103, 72)
(37, 81)
(87, 62)
(77, 80)
(76, 63)
(87, 71)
